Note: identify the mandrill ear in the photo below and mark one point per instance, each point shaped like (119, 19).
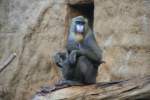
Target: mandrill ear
(86, 21)
(86, 24)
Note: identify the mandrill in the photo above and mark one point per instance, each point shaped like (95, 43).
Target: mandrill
(80, 63)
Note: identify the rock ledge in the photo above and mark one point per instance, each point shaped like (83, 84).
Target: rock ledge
(131, 89)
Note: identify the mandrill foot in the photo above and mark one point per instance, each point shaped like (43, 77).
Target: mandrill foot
(60, 85)
(68, 83)
(45, 90)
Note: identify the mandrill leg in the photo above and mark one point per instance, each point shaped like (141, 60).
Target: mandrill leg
(60, 85)
(62, 61)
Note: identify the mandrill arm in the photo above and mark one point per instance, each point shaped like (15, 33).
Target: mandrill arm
(92, 51)
(84, 52)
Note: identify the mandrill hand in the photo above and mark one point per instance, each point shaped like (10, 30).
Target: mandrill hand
(73, 56)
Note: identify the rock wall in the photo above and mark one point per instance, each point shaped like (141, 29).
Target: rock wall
(4, 12)
(10, 42)
(35, 30)
(35, 67)
(39, 33)
(123, 31)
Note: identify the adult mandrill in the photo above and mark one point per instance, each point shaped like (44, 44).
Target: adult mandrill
(80, 63)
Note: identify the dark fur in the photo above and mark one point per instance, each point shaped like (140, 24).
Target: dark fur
(80, 63)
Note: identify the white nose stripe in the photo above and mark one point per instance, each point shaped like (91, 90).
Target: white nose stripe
(80, 28)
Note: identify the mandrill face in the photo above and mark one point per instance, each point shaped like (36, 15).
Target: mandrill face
(79, 27)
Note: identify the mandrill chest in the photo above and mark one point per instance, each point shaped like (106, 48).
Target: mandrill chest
(75, 42)
(80, 41)
(79, 38)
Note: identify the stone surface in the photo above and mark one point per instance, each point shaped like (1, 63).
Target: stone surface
(123, 33)
(4, 14)
(36, 29)
(133, 89)
(39, 32)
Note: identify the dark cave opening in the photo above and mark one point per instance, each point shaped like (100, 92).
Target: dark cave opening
(83, 9)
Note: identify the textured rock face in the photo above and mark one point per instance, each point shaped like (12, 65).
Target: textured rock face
(45, 37)
(132, 89)
(39, 33)
(35, 30)
(123, 33)
(4, 12)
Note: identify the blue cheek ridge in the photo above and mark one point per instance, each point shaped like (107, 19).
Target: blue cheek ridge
(71, 38)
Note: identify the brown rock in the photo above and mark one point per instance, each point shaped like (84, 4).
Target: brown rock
(132, 89)
(36, 30)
